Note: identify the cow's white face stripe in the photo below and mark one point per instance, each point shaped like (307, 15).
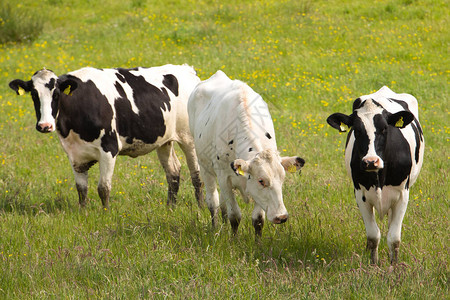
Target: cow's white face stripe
(45, 95)
(366, 114)
(369, 125)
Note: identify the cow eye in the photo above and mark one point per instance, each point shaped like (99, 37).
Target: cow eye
(261, 182)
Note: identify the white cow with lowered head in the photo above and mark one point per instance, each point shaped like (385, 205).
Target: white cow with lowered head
(235, 144)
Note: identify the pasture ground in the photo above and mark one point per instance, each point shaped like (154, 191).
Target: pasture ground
(307, 59)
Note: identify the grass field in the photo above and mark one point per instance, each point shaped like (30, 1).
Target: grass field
(307, 59)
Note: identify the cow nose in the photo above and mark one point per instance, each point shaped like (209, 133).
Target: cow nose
(280, 219)
(45, 127)
(371, 163)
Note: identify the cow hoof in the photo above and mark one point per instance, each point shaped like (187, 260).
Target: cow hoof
(280, 219)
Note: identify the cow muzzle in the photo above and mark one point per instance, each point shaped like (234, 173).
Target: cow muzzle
(44, 127)
(372, 163)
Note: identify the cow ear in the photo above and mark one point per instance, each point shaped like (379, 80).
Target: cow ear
(400, 119)
(292, 164)
(68, 86)
(240, 167)
(340, 121)
(20, 87)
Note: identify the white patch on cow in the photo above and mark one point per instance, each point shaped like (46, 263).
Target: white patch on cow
(42, 78)
(383, 199)
(78, 150)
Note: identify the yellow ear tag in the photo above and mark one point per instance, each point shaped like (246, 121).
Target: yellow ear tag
(67, 91)
(292, 169)
(399, 122)
(21, 91)
(343, 127)
(240, 171)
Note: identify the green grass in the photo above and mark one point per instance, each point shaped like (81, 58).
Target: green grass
(308, 59)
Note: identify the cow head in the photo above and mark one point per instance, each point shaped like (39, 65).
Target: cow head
(371, 125)
(265, 175)
(45, 89)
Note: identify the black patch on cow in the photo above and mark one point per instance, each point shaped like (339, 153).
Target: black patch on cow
(380, 133)
(231, 142)
(171, 82)
(419, 128)
(218, 157)
(36, 103)
(357, 103)
(364, 198)
(268, 135)
(120, 89)
(360, 148)
(149, 124)
(250, 149)
(109, 143)
(418, 139)
(86, 112)
(120, 77)
(84, 167)
(407, 183)
(51, 84)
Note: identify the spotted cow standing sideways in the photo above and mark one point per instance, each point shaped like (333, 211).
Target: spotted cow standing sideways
(102, 113)
(383, 156)
(235, 144)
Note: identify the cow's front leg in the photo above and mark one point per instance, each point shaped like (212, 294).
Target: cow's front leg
(194, 170)
(395, 226)
(81, 182)
(258, 216)
(172, 166)
(228, 200)
(107, 163)
(372, 230)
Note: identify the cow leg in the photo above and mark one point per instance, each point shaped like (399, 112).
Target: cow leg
(194, 170)
(372, 230)
(172, 166)
(227, 199)
(212, 196)
(258, 216)
(81, 181)
(395, 226)
(106, 165)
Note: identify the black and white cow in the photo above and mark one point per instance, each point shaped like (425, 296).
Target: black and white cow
(235, 143)
(383, 156)
(102, 113)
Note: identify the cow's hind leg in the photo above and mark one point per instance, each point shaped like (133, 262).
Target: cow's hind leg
(172, 166)
(395, 226)
(194, 170)
(107, 163)
(372, 230)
